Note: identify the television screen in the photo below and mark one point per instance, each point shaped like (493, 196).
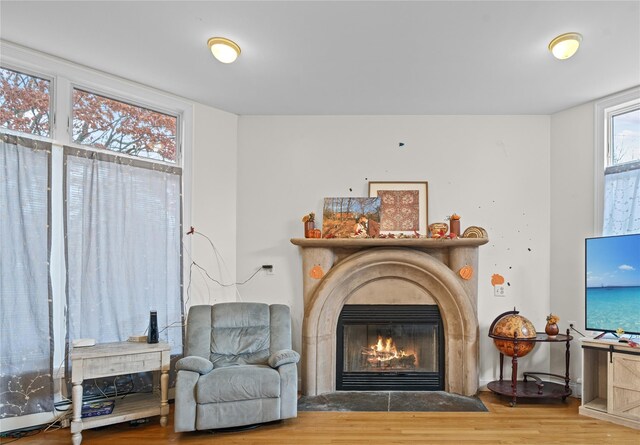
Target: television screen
(612, 276)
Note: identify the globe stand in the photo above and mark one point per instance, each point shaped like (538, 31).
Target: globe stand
(519, 346)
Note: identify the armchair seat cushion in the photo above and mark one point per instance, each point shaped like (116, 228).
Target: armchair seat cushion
(235, 383)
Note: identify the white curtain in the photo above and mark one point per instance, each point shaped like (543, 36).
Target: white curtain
(123, 247)
(25, 304)
(622, 202)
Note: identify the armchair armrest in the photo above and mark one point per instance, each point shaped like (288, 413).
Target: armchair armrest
(283, 357)
(194, 363)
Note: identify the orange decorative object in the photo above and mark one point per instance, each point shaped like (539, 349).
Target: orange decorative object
(438, 230)
(466, 272)
(316, 272)
(455, 226)
(317, 233)
(552, 330)
(309, 227)
(497, 279)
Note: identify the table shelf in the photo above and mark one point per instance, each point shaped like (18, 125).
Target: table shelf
(132, 407)
(598, 404)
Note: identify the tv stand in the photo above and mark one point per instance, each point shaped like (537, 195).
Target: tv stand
(611, 381)
(603, 335)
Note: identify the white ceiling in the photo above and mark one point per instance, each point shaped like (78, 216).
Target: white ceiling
(338, 57)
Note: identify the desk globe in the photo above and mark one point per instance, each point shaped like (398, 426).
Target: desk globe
(511, 325)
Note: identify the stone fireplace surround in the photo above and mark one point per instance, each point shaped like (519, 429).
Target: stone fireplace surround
(389, 271)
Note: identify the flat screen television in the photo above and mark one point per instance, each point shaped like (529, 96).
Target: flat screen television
(612, 283)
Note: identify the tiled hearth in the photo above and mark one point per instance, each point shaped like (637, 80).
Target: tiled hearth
(389, 271)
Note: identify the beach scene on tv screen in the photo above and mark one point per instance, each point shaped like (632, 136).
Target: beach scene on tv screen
(613, 283)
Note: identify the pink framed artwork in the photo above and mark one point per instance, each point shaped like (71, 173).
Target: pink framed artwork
(403, 206)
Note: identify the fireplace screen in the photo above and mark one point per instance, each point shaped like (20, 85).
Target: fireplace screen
(398, 347)
(390, 347)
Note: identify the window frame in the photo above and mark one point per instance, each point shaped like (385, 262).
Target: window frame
(65, 75)
(52, 100)
(605, 110)
(179, 124)
(610, 114)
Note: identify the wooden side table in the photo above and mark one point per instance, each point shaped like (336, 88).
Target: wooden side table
(536, 387)
(111, 359)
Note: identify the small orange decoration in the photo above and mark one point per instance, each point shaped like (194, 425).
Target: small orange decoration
(316, 233)
(497, 279)
(316, 272)
(466, 272)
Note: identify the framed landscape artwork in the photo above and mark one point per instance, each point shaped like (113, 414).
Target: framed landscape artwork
(351, 217)
(403, 206)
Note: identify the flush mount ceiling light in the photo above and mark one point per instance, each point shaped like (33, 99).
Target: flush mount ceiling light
(225, 50)
(565, 45)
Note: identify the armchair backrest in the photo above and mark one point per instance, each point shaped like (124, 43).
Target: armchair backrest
(238, 333)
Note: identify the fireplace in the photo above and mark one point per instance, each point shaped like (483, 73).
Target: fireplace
(390, 347)
(422, 272)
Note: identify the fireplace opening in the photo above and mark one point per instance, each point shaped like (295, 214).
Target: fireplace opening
(390, 347)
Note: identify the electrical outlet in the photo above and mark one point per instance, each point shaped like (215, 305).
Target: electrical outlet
(572, 323)
(268, 269)
(499, 291)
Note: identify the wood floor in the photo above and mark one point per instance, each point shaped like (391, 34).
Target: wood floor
(528, 423)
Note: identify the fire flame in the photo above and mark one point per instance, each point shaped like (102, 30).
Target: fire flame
(383, 351)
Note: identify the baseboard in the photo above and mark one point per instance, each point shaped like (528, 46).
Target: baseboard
(29, 420)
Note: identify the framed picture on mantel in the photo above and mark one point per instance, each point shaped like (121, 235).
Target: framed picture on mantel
(403, 206)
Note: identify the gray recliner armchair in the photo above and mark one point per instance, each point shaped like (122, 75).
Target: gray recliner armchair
(238, 369)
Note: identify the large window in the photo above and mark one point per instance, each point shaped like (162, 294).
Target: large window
(111, 248)
(25, 103)
(620, 127)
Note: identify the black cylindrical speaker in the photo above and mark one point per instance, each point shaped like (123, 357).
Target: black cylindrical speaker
(152, 336)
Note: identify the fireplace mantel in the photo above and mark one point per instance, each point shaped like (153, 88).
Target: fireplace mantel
(338, 271)
(414, 243)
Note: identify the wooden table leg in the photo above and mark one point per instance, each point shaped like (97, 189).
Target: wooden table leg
(164, 397)
(76, 422)
(567, 358)
(514, 373)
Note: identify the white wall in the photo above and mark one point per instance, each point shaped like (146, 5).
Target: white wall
(572, 220)
(213, 207)
(492, 170)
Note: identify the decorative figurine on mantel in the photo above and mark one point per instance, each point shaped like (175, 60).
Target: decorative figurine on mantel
(309, 224)
(454, 224)
(438, 230)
